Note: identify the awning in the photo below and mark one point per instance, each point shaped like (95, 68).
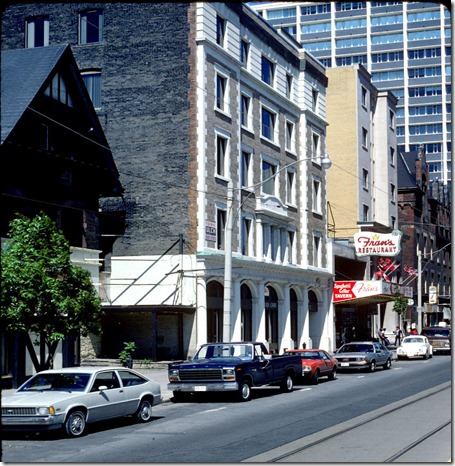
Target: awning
(367, 292)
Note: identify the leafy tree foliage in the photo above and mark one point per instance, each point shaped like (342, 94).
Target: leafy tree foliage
(400, 302)
(42, 290)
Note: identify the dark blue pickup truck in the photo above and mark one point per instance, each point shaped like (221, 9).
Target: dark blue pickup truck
(233, 367)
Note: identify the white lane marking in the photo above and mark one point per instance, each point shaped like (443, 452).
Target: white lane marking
(212, 410)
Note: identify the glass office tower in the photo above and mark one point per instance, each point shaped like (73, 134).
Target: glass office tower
(406, 46)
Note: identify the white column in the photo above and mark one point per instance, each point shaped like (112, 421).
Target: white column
(304, 317)
(201, 312)
(327, 336)
(236, 320)
(259, 313)
(284, 321)
(260, 239)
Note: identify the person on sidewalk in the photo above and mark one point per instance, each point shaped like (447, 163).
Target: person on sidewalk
(414, 330)
(398, 336)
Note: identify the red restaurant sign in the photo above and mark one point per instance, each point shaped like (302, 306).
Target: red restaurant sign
(351, 290)
(369, 243)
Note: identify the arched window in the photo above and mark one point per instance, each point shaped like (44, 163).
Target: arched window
(214, 312)
(312, 301)
(293, 311)
(247, 313)
(271, 318)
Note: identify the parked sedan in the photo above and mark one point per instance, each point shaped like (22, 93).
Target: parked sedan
(316, 363)
(415, 346)
(73, 397)
(366, 355)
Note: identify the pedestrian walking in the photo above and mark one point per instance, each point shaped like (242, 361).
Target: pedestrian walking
(398, 336)
(414, 330)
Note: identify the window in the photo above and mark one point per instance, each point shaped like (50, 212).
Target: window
(393, 222)
(289, 85)
(220, 30)
(391, 119)
(392, 156)
(221, 155)
(364, 97)
(246, 171)
(91, 27)
(247, 246)
(221, 92)
(365, 179)
(290, 138)
(392, 192)
(268, 178)
(315, 99)
(220, 228)
(37, 32)
(316, 146)
(364, 138)
(92, 80)
(290, 188)
(244, 52)
(58, 91)
(268, 124)
(316, 195)
(291, 247)
(246, 114)
(267, 71)
(365, 213)
(317, 242)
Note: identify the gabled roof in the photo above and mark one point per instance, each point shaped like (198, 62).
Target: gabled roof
(406, 170)
(24, 73)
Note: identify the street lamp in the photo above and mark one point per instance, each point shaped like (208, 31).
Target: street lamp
(325, 162)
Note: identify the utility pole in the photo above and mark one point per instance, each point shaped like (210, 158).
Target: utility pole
(419, 290)
(227, 297)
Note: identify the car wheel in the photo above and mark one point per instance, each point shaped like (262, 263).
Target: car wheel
(388, 364)
(288, 383)
(75, 423)
(315, 378)
(333, 374)
(144, 412)
(372, 367)
(245, 391)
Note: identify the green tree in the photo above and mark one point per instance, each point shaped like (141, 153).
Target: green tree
(42, 290)
(400, 302)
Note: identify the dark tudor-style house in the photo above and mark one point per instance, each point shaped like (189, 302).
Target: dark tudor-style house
(55, 159)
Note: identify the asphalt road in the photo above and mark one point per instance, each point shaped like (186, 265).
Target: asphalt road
(364, 409)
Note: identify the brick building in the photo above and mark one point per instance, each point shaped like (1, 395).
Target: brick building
(425, 219)
(198, 101)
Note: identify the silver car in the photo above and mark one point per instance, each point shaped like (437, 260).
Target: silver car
(73, 397)
(366, 355)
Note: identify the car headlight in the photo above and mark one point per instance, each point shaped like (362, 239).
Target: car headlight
(228, 373)
(174, 375)
(45, 411)
(306, 368)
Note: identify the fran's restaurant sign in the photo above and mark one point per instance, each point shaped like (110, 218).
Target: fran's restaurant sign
(369, 243)
(345, 291)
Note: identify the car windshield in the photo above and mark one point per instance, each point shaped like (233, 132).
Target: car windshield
(356, 348)
(61, 382)
(225, 351)
(436, 332)
(413, 340)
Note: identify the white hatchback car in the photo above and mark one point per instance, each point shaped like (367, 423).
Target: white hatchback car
(72, 397)
(415, 346)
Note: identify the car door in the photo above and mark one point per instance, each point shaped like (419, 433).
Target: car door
(108, 402)
(381, 354)
(326, 364)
